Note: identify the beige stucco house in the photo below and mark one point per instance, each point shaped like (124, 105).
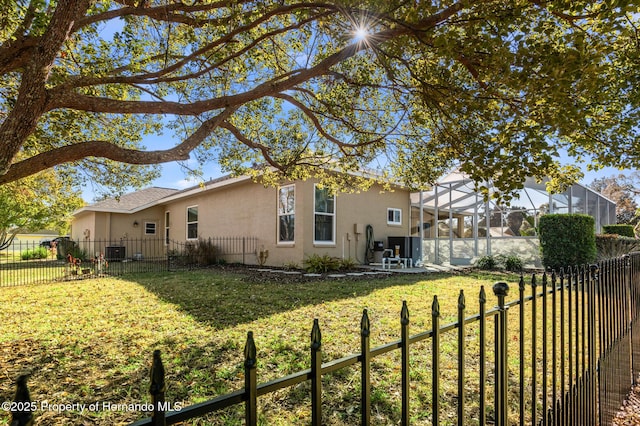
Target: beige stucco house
(291, 221)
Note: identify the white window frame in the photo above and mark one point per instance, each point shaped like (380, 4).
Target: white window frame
(280, 213)
(196, 222)
(167, 226)
(146, 229)
(397, 216)
(332, 215)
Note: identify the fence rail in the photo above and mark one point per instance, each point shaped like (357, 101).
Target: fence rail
(63, 259)
(577, 330)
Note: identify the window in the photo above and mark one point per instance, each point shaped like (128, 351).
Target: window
(192, 223)
(286, 214)
(324, 216)
(166, 227)
(394, 217)
(149, 228)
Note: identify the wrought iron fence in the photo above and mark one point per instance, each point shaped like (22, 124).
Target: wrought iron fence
(30, 262)
(577, 330)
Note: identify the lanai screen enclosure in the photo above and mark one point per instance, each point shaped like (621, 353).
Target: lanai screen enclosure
(458, 225)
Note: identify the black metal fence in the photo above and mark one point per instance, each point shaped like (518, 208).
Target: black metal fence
(576, 330)
(565, 352)
(31, 262)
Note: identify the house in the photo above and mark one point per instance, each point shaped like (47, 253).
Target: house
(290, 222)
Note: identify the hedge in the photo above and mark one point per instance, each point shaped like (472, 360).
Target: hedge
(619, 229)
(567, 240)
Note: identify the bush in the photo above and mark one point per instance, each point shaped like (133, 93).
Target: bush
(623, 230)
(36, 253)
(487, 263)
(567, 240)
(203, 252)
(316, 264)
(512, 263)
(347, 264)
(610, 246)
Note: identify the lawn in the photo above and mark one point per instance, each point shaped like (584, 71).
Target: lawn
(91, 341)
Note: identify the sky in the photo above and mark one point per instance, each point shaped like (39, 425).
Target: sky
(173, 175)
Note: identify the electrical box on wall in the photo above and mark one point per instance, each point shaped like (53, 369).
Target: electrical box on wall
(358, 228)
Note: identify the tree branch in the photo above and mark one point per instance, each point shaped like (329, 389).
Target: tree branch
(75, 152)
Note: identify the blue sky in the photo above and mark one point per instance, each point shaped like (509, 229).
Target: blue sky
(173, 175)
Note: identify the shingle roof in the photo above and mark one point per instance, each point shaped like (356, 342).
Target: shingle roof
(134, 200)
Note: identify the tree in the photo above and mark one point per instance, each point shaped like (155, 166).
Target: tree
(41, 201)
(620, 189)
(495, 87)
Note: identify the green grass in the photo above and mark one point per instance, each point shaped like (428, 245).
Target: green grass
(91, 341)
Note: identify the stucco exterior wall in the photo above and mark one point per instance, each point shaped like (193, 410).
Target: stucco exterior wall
(354, 211)
(242, 208)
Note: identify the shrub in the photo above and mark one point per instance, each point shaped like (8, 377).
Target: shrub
(347, 264)
(36, 253)
(620, 229)
(487, 263)
(610, 246)
(202, 252)
(317, 264)
(512, 263)
(290, 266)
(567, 240)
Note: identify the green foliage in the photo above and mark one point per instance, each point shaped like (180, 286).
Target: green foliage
(610, 246)
(487, 263)
(283, 83)
(619, 229)
(38, 202)
(319, 264)
(511, 263)
(291, 266)
(36, 253)
(347, 264)
(567, 240)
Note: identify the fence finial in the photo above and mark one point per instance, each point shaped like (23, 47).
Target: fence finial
(22, 417)
(404, 313)
(435, 307)
(157, 375)
(250, 351)
(461, 301)
(316, 336)
(502, 289)
(365, 326)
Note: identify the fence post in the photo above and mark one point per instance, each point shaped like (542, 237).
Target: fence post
(482, 300)
(404, 337)
(461, 358)
(365, 404)
(316, 374)
(501, 289)
(534, 350)
(250, 381)
(435, 348)
(157, 389)
(22, 415)
(521, 340)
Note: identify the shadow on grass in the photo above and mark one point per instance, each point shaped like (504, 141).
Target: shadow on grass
(223, 298)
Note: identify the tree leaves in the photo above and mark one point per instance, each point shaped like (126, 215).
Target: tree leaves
(497, 88)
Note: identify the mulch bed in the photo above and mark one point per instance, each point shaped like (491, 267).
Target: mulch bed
(629, 414)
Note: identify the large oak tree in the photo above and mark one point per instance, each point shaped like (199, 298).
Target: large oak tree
(495, 87)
